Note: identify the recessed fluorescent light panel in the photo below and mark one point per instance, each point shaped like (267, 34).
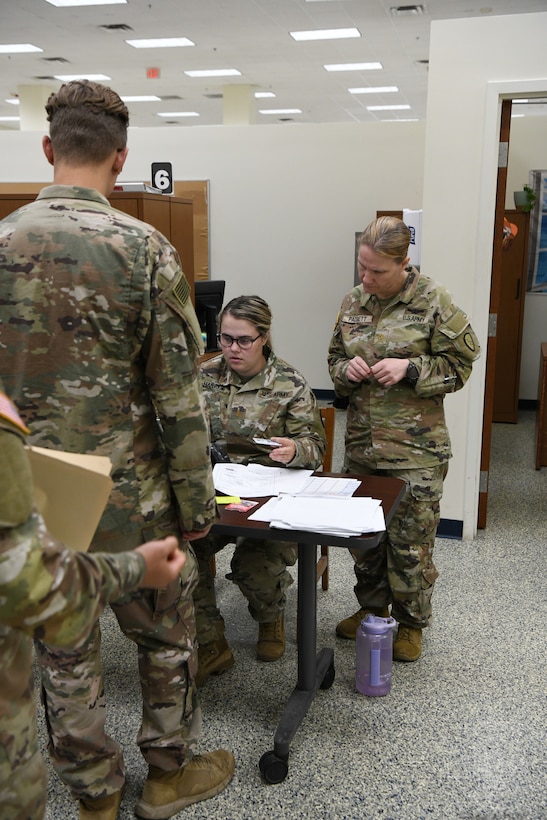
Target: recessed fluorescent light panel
(380, 89)
(66, 3)
(10, 119)
(161, 42)
(262, 95)
(214, 72)
(326, 34)
(142, 98)
(280, 111)
(178, 114)
(12, 100)
(353, 67)
(94, 78)
(18, 48)
(388, 107)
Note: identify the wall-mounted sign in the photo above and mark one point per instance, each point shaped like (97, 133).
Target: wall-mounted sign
(162, 177)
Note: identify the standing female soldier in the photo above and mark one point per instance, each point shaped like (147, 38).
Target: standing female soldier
(251, 393)
(398, 346)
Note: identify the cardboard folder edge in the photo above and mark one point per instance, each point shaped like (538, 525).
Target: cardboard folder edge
(71, 492)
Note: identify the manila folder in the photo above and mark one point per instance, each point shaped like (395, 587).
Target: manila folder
(70, 492)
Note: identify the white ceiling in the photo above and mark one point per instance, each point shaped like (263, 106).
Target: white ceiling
(249, 35)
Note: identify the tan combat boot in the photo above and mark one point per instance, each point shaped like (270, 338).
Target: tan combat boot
(167, 793)
(213, 659)
(271, 640)
(407, 646)
(104, 808)
(349, 626)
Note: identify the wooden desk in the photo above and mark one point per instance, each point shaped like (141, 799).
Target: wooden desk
(209, 354)
(315, 669)
(541, 418)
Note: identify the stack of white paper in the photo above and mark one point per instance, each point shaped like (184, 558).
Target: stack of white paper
(255, 480)
(344, 517)
(327, 486)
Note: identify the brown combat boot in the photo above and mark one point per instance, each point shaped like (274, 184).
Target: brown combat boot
(213, 659)
(271, 640)
(167, 793)
(349, 626)
(103, 808)
(407, 646)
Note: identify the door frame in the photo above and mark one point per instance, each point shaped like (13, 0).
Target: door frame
(495, 286)
(496, 93)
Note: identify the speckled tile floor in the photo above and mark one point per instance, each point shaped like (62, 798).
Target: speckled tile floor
(462, 734)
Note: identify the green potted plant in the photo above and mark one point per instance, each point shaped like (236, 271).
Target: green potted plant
(525, 199)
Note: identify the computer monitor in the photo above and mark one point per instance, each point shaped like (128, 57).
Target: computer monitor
(209, 297)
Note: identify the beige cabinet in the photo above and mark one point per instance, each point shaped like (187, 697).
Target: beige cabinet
(171, 215)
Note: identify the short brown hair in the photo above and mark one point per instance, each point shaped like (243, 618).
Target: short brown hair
(88, 121)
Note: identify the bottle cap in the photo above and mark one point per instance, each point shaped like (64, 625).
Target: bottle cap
(376, 625)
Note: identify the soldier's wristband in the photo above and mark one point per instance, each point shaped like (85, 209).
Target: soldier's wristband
(412, 373)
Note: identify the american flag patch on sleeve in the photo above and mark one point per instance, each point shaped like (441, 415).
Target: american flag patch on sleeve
(8, 411)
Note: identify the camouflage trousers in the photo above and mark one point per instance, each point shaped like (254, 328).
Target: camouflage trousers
(259, 568)
(162, 624)
(22, 769)
(400, 571)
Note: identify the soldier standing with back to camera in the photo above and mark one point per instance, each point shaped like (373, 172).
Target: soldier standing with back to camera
(399, 346)
(100, 347)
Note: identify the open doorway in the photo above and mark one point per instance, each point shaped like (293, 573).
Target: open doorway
(495, 347)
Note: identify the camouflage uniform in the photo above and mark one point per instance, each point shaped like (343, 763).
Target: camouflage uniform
(400, 430)
(275, 402)
(100, 345)
(47, 592)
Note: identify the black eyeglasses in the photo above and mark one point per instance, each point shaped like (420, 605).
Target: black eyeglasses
(243, 342)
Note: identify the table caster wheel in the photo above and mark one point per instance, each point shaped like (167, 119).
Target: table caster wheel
(273, 768)
(328, 680)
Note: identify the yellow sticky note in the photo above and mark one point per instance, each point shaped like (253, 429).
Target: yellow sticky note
(228, 499)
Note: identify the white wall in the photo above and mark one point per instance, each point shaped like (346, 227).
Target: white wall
(287, 200)
(285, 203)
(473, 63)
(527, 151)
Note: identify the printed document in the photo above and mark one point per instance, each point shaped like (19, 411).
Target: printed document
(256, 481)
(344, 517)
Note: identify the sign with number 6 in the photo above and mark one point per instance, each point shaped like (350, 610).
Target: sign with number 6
(162, 177)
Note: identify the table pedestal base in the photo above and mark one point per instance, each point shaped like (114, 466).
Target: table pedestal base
(315, 669)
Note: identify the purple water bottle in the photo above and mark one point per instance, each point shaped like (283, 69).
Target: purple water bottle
(374, 655)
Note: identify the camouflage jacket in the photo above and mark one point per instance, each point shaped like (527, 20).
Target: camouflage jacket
(275, 402)
(99, 346)
(46, 592)
(54, 594)
(402, 426)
